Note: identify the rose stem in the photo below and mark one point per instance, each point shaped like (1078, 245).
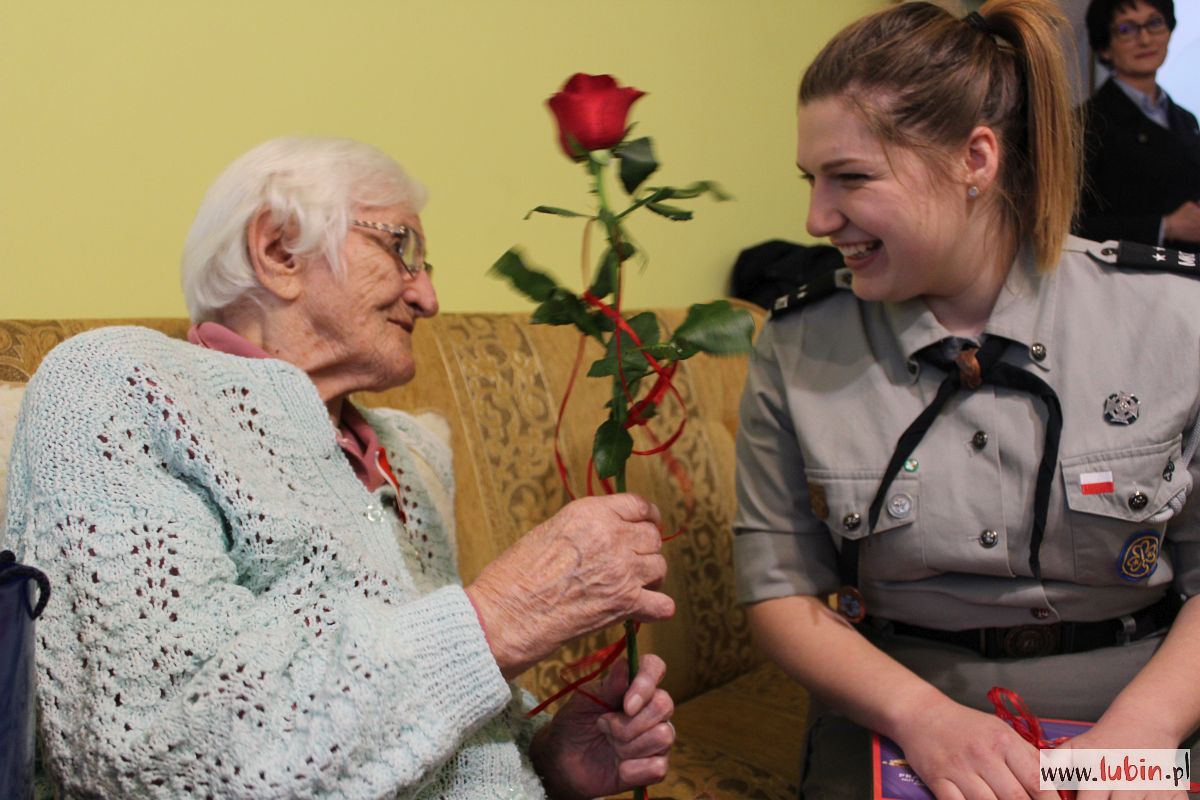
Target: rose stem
(612, 229)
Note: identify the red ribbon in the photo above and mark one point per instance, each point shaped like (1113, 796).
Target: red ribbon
(662, 386)
(602, 659)
(595, 663)
(1025, 723)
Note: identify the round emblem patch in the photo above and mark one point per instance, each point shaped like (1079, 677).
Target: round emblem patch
(849, 602)
(1139, 557)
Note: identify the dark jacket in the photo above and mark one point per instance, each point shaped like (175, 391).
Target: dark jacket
(1135, 171)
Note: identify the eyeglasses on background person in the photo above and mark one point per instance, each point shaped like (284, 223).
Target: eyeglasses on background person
(1126, 31)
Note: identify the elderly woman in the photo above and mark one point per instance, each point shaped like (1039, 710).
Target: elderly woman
(256, 588)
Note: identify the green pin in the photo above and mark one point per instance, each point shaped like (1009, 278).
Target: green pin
(911, 465)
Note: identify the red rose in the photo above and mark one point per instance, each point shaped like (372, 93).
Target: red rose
(591, 109)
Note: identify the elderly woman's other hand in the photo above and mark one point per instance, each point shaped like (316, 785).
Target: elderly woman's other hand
(587, 751)
(595, 562)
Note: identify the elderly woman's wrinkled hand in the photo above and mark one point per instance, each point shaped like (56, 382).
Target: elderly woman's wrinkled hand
(595, 562)
(586, 751)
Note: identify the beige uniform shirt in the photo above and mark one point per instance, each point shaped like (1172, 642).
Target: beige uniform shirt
(832, 387)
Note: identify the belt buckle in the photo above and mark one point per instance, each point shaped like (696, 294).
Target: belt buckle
(1030, 641)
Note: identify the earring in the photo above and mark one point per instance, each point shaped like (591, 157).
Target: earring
(973, 192)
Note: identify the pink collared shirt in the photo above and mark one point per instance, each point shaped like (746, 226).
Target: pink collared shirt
(356, 438)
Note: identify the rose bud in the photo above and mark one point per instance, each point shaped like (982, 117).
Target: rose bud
(591, 111)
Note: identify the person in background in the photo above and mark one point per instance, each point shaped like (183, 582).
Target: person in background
(961, 464)
(256, 590)
(1142, 151)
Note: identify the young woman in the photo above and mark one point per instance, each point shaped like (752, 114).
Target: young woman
(976, 448)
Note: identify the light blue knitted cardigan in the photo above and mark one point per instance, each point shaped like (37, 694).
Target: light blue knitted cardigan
(232, 616)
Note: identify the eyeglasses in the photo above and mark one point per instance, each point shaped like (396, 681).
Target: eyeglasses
(407, 246)
(1127, 31)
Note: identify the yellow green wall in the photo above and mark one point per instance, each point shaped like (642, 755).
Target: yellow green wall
(115, 117)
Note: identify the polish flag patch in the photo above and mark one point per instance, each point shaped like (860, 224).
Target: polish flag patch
(1096, 482)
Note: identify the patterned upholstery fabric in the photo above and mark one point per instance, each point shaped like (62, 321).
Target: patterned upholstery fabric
(499, 380)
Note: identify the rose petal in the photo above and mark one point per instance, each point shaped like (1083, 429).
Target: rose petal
(582, 82)
(593, 110)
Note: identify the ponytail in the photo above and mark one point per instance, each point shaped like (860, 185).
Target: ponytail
(1053, 131)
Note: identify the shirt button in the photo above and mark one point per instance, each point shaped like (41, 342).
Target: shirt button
(374, 512)
(1040, 613)
(979, 440)
(1038, 351)
(1138, 501)
(851, 521)
(899, 506)
(988, 538)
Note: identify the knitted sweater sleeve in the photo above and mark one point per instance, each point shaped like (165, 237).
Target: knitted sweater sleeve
(202, 643)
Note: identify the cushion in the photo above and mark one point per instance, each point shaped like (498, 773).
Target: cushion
(10, 407)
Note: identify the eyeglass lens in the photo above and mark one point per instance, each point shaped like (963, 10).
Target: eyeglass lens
(406, 245)
(1129, 30)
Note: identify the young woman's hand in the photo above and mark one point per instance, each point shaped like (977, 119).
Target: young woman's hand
(963, 754)
(1125, 735)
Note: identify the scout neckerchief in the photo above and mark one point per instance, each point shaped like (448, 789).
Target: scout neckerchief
(975, 367)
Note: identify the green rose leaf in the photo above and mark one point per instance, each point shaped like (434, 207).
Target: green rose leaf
(611, 448)
(554, 310)
(564, 308)
(670, 212)
(693, 190)
(602, 322)
(633, 364)
(635, 367)
(637, 163)
(560, 212)
(605, 282)
(532, 283)
(645, 326)
(716, 328)
(674, 350)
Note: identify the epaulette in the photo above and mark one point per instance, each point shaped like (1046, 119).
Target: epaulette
(1132, 255)
(816, 288)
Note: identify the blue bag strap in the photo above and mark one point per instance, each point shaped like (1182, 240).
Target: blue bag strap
(11, 571)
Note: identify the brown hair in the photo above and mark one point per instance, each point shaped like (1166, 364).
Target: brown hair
(924, 79)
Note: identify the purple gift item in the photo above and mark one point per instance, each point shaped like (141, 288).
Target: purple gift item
(17, 613)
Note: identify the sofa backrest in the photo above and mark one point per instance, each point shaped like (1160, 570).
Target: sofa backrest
(498, 380)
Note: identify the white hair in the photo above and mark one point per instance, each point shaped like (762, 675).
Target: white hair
(310, 185)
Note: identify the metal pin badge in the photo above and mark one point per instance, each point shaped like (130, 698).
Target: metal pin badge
(1121, 408)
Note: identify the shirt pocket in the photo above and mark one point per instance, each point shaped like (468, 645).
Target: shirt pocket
(847, 497)
(1118, 501)
(1132, 485)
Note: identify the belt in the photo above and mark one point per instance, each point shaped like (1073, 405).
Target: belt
(1055, 638)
